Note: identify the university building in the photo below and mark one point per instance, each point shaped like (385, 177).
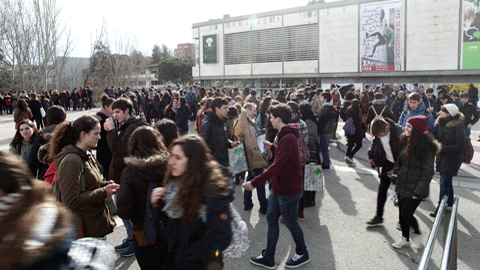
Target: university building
(357, 41)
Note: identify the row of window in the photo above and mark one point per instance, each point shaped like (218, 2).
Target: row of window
(295, 43)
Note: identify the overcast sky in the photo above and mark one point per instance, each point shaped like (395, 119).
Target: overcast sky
(153, 22)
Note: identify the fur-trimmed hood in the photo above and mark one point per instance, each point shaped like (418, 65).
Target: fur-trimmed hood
(451, 122)
(150, 168)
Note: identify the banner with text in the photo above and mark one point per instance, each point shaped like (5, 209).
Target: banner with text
(210, 49)
(380, 36)
(471, 34)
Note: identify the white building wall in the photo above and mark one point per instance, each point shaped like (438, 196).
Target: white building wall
(238, 26)
(300, 18)
(242, 69)
(214, 69)
(299, 67)
(432, 34)
(266, 22)
(339, 39)
(267, 68)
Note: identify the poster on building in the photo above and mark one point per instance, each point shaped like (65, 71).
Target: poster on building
(471, 34)
(459, 87)
(380, 36)
(210, 49)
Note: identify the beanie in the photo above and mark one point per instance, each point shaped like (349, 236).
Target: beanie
(419, 123)
(451, 108)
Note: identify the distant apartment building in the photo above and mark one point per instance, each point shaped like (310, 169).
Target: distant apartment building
(185, 51)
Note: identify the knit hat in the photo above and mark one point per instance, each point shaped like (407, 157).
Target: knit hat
(451, 108)
(419, 123)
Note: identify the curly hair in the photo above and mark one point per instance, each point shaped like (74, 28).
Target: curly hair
(203, 177)
(419, 145)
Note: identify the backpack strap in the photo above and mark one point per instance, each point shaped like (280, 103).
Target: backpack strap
(383, 110)
(375, 111)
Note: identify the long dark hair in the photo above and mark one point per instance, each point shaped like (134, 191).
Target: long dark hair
(55, 115)
(22, 104)
(419, 145)
(168, 129)
(17, 139)
(203, 179)
(69, 133)
(354, 109)
(144, 143)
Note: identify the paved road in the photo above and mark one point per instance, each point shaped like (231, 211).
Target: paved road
(335, 231)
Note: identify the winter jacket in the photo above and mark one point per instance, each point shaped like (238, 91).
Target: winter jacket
(420, 111)
(450, 132)
(23, 150)
(214, 132)
(35, 106)
(37, 167)
(470, 112)
(381, 108)
(381, 159)
(104, 155)
(19, 115)
(413, 178)
(90, 204)
(397, 108)
(117, 142)
(136, 177)
(196, 244)
(359, 126)
(181, 119)
(246, 131)
(326, 119)
(285, 172)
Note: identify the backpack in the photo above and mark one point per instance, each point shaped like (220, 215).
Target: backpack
(240, 243)
(349, 127)
(378, 116)
(303, 149)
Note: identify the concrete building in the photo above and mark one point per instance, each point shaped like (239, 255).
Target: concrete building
(185, 51)
(343, 42)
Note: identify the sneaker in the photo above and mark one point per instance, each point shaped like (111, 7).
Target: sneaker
(263, 261)
(376, 221)
(399, 226)
(129, 251)
(248, 208)
(401, 243)
(298, 260)
(263, 211)
(433, 214)
(416, 240)
(125, 244)
(349, 160)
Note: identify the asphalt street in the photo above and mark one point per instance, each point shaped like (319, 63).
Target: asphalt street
(335, 231)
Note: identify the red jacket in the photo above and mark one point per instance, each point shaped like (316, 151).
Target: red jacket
(285, 172)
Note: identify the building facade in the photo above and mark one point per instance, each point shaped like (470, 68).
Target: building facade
(358, 41)
(185, 51)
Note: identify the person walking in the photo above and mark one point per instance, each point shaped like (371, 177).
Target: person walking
(354, 141)
(196, 198)
(450, 132)
(412, 174)
(285, 174)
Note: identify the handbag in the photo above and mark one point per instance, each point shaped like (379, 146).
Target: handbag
(313, 177)
(468, 154)
(349, 127)
(238, 159)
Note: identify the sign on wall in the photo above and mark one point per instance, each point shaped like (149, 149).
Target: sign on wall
(380, 36)
(210, 49)
(471, 34)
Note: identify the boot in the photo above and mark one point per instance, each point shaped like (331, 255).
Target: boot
(309, 198)
(300, 214)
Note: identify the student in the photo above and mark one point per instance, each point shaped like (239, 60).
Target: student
(416, 108)
(196, 198)
(354, 141)
(286, 183)
(469, 111)
(23, 139)
(412, 174)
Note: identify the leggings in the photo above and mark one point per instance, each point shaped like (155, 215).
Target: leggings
(406, 209)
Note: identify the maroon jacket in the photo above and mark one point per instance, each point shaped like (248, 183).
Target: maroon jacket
(285, 172)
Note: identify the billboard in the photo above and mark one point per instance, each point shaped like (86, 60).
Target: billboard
(380, 36)
(471, 34)
(210, 49)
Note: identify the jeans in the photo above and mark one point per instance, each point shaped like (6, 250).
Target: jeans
(128, 226)
(324, 141)
(446, 188)
(247, 195)
(467, 132)
(383, 188)
(406, 209)
(287, 207)
(353, 145)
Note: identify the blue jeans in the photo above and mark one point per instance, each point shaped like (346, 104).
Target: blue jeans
(287, 207)
(324, 141)
(247, 195)
(128, 226)
(467, 132)
(446, 188)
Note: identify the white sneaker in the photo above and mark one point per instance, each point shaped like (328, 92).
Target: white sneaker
(416, 240)
(401, 243)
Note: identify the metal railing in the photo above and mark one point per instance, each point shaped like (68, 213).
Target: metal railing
(449, 258)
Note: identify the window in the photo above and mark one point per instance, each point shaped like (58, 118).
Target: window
(238, 48)
(155, 83)
(301, 43)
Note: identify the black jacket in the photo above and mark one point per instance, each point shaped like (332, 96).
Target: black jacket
(117, 142)
(451, 134)
(378, 106)
(214, 132)
(381, 159)
(104, 155)
(181, 119)
(38, 168)
(326, 119)
(470, 112)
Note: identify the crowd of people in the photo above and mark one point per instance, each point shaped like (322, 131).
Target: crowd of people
(173, 190)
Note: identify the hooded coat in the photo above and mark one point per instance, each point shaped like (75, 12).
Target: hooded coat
(450, 132)
(246, 131)
(71, 163)
(420, 111)
(380, 106)
(214, 132)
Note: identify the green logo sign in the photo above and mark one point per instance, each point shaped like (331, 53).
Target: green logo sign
(318, 172)
(239, 151)
(210, 49)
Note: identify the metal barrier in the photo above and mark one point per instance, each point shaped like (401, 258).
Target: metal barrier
(449, 258)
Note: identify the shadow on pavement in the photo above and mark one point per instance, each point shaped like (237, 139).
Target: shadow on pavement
(340, 193)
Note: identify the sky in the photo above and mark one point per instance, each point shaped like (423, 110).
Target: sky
(145, 23)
